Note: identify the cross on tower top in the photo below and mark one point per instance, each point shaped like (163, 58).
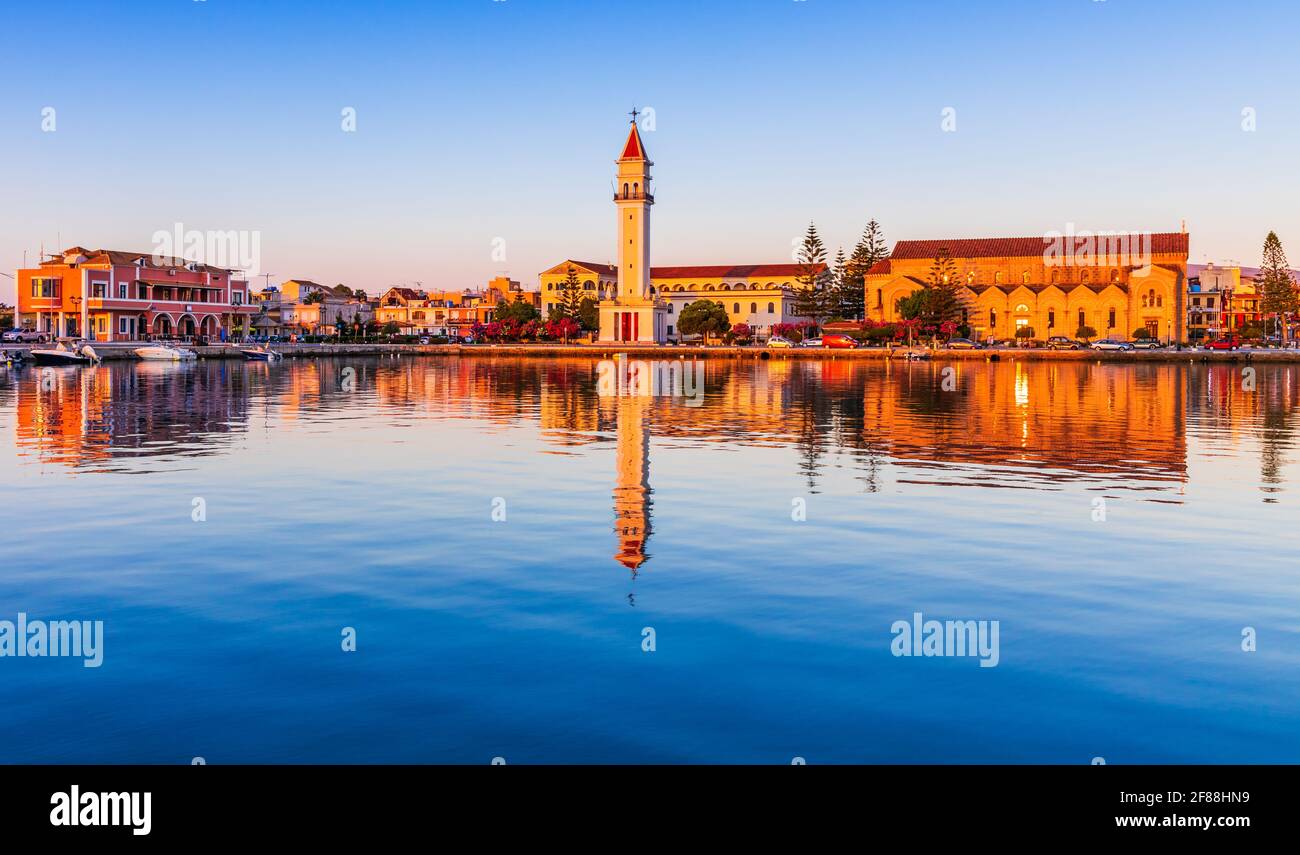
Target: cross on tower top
(635, 112)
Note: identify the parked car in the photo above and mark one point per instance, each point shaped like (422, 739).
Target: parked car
(1146, 344)
(23, 336)
(1060, 342)
(962, 344)
(779, 341)
(1111, 344)
(1229, 343)
(424, 339)
(811, 342)
(839, 341)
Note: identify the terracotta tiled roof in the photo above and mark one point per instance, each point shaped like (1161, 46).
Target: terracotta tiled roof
(119, 257)
(727, 271)
(1017, 247)
(881, 266)
(597, 268)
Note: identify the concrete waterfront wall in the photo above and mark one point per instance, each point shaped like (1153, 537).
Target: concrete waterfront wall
(111, 351)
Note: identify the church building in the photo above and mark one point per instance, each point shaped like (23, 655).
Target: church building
(1053, 286)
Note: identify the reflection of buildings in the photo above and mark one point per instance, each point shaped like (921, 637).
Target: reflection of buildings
(632, 488)
(87, 417)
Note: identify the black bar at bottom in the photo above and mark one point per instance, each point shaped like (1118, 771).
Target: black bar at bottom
(333, 803)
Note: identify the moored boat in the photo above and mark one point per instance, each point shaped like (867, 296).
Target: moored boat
(260, 354)
(163, 353)
(62, 355)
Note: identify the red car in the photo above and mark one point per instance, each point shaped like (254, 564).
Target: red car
(839, 340)
(1230, 343)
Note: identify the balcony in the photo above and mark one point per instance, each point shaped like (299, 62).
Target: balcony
(641, 196)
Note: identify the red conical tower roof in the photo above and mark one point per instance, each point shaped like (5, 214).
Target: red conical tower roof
(633, 149)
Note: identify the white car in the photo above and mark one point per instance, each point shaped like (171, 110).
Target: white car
(23, 336)
(812, 342)
(779, 341)
(1111, 344)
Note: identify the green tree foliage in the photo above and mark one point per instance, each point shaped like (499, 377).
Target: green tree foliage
(703, 317)
(589, 313)
(518, 311)
(812, 298)
(571, 295)
(1277, 287)
(870, 250)
(943, 301)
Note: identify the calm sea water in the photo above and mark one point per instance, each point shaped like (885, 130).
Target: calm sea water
(500, 538)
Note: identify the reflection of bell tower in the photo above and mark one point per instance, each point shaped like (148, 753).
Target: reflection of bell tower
(632, 490)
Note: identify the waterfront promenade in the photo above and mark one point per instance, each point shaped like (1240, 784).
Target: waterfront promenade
(126, 351)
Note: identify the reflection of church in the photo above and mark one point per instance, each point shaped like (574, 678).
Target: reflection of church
(632, 489)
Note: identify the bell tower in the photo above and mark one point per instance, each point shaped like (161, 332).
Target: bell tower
(633, 199)
(634, 314)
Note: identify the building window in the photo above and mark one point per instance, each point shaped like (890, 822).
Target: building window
(670, 329)
(1111, 319)
(997, 278)
(1083, 320)
(753, 308)
(47, 288)
(771, 308)
(993, 317)
(670, 308)
(1024, 278)
(735, 308)
(121, 291)
(1051, 319)
(121, 325)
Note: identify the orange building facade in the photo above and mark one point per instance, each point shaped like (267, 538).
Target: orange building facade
(1051, 285)
(108, 295)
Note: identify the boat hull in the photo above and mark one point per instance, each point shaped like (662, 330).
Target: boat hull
(58, 357)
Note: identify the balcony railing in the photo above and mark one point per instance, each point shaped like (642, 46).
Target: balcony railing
(634, 197)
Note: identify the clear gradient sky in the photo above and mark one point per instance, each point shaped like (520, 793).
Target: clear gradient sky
(479, 120)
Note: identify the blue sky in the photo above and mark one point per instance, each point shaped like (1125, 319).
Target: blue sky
(480, 120)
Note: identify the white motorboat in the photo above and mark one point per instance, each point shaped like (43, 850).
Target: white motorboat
(163, 353)
(62, 355)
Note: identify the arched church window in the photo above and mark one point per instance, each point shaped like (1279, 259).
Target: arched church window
(1024, 278)
(753, 308)
(970, 277)
(771, 308)
(1054, 272)
(997, 278)
(735, 308)
(1083, 277)
(636, 188)
(629, 216)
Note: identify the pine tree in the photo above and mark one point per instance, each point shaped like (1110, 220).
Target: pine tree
(836, 292)
(1277, 287)
(812, 277)
(571, 296)
(870, 250)
(943, 300)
